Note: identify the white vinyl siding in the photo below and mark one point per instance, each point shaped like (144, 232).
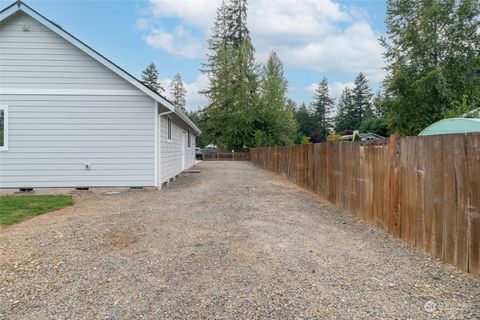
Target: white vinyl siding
(49, 147)
(171, 153)
(53, 135)
(41, 59)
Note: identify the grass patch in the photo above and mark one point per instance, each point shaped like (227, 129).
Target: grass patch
(14, 209)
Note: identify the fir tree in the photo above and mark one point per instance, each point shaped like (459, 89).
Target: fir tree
(322, 106)
(275, 122)
(232, 72)
(150, 78)
(178, 93)
(345, 118)
(378, 105)
(362, 101)
(305, 119)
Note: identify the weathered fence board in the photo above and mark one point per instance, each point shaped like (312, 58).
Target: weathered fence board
(424, 190)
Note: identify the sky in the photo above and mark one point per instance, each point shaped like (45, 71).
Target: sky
(313, 38)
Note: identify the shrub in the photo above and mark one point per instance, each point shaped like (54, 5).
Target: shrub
(334, 138)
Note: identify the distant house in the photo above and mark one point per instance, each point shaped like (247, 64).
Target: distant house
(69, 117)
(363, 136)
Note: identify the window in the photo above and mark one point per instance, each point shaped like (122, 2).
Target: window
(3, 127)
(189, 139)
(169, 129)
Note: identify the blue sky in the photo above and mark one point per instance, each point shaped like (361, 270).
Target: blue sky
(314, 38)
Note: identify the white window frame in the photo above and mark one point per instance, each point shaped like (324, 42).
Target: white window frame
(189, 140)
(5, 128)
(169, 129)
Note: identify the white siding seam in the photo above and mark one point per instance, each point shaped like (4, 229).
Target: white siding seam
(66, 92)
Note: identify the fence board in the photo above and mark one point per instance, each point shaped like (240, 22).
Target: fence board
(420, 194)
(437, 196)
(449, 198)
(473, 202)
(460, 164)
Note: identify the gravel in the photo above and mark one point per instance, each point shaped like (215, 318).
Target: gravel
(230, 242)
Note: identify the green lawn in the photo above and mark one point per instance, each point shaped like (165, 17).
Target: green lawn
(14, 209)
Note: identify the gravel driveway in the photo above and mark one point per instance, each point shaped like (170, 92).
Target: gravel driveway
(231, 242)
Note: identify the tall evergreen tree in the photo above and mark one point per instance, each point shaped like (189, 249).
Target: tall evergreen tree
(322, 106)
(362, 101)
(379, 104)
(345, 118)
(150, 79)
(432, 51)
(306, 121)
(178, 93)
(275, 123)
(233, 76)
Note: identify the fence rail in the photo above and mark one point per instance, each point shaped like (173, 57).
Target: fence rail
(224, 156)
(424, 190)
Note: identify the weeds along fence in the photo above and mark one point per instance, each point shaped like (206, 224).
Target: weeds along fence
(424, 190)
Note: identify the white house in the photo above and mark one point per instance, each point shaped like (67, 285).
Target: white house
(69, 117)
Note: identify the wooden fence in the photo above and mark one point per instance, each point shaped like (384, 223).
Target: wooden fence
(424, 190)
(225, 156)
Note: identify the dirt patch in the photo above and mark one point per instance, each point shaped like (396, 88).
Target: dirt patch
(120, 239)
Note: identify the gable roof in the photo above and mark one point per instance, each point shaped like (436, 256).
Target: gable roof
(20, 6)
(364, 135)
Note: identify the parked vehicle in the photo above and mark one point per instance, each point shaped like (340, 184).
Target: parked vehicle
(198, 153)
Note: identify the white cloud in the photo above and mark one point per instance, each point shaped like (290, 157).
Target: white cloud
(180, 42)
(195, 13)
(143, 24)
(349, 51)
(320, 35)
(194, 98)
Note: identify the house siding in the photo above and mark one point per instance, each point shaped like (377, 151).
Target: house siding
(53, 136)
(171, 153)
(41, 59)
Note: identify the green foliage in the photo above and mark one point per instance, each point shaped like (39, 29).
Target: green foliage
(322, 107)
(178, 93)
(305, 140)
(150, 78)
(361, 96)
(355, 105)
(233, 76)
(356, 137)
(275, 123)
(432, 51)
(334, 138)
(306, 121)
(198, 118)
(462, 109)
(375, 125)
(344, 118)
(18, 208)
(379, 105)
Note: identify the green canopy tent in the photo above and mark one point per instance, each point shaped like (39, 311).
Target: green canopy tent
(454, 125)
